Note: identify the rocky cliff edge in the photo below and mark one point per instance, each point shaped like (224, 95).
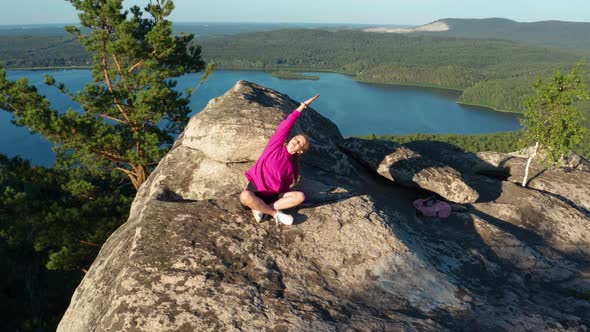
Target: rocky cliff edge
(358, 257)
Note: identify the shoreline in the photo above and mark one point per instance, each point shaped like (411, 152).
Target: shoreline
(519, 114)
(415, 85)
(302, 71)
(292, 75)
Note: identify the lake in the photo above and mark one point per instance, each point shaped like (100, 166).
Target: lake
(356, 108)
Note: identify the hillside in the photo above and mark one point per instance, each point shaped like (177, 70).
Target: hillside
(355, 52)
(41, 51)
(544, 33)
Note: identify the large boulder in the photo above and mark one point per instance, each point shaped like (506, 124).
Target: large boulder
(400, 164)
(570, 183)
(190, 258)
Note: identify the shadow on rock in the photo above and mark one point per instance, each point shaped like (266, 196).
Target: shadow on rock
(496, 256)
(447, 172)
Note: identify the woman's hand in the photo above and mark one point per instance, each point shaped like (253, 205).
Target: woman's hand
(306, 103)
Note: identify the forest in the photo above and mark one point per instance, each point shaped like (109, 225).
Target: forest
(500, 142)
(491, 73)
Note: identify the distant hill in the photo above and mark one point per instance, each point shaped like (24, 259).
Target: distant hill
(545, 33)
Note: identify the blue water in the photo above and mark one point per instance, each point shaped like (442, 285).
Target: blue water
(357, 108)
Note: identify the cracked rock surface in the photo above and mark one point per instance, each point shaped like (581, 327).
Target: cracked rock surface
(190, 258)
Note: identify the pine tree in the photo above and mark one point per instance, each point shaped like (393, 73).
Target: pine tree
(552, 120)
(129, 114)
(49, 235)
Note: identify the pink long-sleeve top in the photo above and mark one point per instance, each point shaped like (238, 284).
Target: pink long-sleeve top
(273, 171)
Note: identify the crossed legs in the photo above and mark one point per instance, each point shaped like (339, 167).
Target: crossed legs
(285, 201)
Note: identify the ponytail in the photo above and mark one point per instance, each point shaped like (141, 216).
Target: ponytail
(296, 168)
(297, 158)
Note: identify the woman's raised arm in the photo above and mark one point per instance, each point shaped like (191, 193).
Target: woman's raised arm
(306, 103)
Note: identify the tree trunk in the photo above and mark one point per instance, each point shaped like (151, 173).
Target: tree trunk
(141, 171)
(528, 164)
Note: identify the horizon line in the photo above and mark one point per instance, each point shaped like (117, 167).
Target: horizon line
(293, 22)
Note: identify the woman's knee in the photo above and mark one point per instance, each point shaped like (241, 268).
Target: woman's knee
(300, 196)
(246, 196)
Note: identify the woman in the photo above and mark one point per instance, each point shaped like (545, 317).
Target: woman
(275, 171)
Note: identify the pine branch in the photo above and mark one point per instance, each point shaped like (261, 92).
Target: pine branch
(134, 67)
(112, 118)
(109, 84)
(92, 244)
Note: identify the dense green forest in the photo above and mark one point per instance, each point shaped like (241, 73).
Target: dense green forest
(30, 51)
(291, 75)
(54, 221)
(354, 51)
(499, 142)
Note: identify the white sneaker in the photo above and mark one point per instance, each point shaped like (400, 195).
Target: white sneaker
(258, 215)
(283, 218)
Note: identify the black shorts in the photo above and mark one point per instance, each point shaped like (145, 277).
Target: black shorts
(268, 199)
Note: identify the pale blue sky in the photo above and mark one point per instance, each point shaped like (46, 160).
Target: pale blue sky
(408, 12)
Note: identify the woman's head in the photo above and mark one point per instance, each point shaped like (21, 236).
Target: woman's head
(299, 144)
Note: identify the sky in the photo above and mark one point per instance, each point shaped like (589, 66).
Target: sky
(407, 12)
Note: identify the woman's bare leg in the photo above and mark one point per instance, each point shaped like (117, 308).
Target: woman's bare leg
(289, 200)
(255, 203)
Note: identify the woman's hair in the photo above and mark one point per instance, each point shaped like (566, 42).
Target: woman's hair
(297, 157)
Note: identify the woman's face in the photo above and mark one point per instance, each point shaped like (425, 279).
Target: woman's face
(296, 144)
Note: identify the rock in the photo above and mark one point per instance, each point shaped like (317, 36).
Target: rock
(570, 183)
(576, 162)
(406, 167)
(357, 258)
